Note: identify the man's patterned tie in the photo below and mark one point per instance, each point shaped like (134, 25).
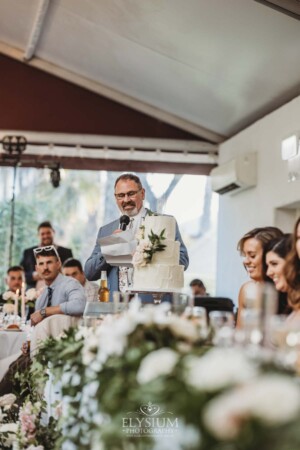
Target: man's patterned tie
(50, 292)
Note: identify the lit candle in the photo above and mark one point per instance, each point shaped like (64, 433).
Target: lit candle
(16, 302)
(23, 300)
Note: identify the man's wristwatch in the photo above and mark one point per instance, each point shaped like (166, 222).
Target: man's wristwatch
(43, 313)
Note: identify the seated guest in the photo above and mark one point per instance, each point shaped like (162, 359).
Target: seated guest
(63, 295)
(251, 247)
(198, 288)
(292, 274)
(46, 237)
(14, 278)
(73, 268)
(276, 253)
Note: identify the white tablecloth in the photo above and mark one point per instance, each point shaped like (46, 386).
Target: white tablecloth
(11, 342)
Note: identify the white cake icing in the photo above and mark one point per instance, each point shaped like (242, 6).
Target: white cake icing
(170, 255)
(158, 223)
(154, 277)
(164, 271)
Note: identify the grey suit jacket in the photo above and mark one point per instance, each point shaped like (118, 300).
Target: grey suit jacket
(96, 262)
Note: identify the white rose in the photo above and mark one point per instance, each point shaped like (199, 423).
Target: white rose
(144, 244)
(217, 369)
(9, 308)
(7, 400)
(33, 447)
(8, 295)
(138, 258)
(31, 294)
(272, 399)
(159, 362)
(184, 328)
(11, 429)
(224, 415)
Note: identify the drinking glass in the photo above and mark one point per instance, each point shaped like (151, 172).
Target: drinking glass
(121, 301)
(222, 325)
(251, 327)
(179, 303)
(285, 337)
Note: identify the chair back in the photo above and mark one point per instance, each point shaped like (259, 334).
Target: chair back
(214, 304)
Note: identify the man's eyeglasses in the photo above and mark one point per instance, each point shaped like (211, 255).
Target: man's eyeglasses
(130, 194)
(48, 248)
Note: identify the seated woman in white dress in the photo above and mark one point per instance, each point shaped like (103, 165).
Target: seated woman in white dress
(251, 247)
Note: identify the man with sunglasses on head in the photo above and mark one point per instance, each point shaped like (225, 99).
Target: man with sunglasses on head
(129, 196)
(62, 295)
(46, 237)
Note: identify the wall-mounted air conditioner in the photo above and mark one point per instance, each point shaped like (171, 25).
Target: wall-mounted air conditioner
(235, 175)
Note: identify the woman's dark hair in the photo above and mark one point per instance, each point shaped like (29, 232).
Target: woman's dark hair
(281, 246)
(292, 270)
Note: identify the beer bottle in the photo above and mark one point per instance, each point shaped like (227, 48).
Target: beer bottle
(103, 293)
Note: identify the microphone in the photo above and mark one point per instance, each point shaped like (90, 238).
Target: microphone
(124, 221)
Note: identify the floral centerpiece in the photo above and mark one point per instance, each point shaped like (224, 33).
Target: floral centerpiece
(145, 380)
(22, 418)
(30, 297)
(8, 419)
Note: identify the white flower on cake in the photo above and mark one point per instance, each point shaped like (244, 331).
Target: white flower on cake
(139, 257)
(159, 362)
(271, 399)
(156, 261)
(147, 247)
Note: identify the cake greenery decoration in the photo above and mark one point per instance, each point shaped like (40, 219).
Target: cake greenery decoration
(147, 247)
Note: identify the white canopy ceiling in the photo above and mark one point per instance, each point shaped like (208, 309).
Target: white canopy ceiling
(216, 65)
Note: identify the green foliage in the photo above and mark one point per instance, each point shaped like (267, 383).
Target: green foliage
(156, 245)
(68, 207)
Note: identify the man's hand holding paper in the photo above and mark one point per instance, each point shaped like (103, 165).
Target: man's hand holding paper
(118, 248)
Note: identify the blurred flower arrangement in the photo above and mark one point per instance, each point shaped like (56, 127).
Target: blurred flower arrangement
(30, 297)
(147, 362)
(8, 419)
(22, 426)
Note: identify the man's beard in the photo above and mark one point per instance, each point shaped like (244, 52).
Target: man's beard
(131, 213)
(46, 242)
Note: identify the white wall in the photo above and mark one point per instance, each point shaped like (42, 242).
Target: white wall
(256, 206)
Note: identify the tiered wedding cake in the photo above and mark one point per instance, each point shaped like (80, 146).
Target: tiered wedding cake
(163, 272)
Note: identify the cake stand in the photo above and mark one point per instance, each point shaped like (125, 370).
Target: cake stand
(156, 293)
